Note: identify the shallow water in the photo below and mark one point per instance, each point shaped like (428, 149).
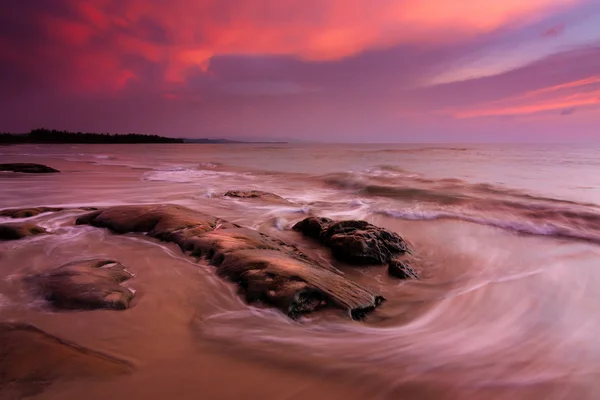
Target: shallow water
(506, 238)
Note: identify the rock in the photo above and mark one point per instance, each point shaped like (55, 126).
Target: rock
(313, 227)
(256, 194)
(401, 270)
(156, 220)
(31, 359)
(28, 168)
(354, 242)
(88, 284)
(15, 231)
(33, 211)
(27, 212)
(266, 269)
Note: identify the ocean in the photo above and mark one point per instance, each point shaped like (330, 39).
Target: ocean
(506, 237)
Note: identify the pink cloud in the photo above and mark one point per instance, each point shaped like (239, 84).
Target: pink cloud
(550, 99)
(198, 30)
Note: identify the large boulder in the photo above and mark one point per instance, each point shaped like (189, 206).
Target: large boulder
(266, 269)
(31, 359)
(354, 242)
(87, 284)
(15, 231)
(28, 168)
(256, 194)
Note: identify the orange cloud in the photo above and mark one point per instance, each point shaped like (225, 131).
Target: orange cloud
(552, 98)
(197, 30)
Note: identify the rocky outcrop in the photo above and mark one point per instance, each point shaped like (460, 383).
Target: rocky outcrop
(266, 269)
(33, 211)
(28, 168)
(256, 194)
(15, 231)
(354, 242)
(31, 359)
(87, 284)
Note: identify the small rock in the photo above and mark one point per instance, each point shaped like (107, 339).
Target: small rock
(313, 227)
(401, 270)
(15, 231)
(256, 194)
(28, 168)
(88, 284)
(33, 211)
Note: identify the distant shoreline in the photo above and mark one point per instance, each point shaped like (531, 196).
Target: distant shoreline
(52, 136)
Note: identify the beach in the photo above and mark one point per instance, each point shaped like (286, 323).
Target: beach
(504, 239)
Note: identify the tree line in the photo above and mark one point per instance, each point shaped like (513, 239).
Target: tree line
(55, 136)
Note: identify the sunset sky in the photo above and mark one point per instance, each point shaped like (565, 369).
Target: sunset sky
(325, 70)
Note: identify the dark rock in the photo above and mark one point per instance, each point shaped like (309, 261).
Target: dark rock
(401, 270)
(15, 231)
(88, 284)
(256, 194)
(313, 227)
(354, 242)
(265, 268)
(31, 359)
(28, 168)
(33, 211)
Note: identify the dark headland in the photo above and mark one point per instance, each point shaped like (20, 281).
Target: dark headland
(53, 136)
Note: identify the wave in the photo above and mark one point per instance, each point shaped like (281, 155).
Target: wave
(560, 224)
(414, 150)
(412, 197)
(397, 183)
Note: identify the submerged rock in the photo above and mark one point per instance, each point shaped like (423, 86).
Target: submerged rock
(27, 212)
(354, 242)
(28, 168)
(265, 268)
(256, 194)
(15, 231)
(88, 284)
(33, 211)
(31, 359)
(401, 270)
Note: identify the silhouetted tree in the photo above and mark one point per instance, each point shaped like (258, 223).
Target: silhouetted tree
(43, 135)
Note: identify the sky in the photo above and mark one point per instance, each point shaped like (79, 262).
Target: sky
(306, 70)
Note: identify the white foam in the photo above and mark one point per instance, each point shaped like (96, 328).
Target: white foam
(281, 223)
(518, 224)
(186, 175)
(208, 165)
(357, 202)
